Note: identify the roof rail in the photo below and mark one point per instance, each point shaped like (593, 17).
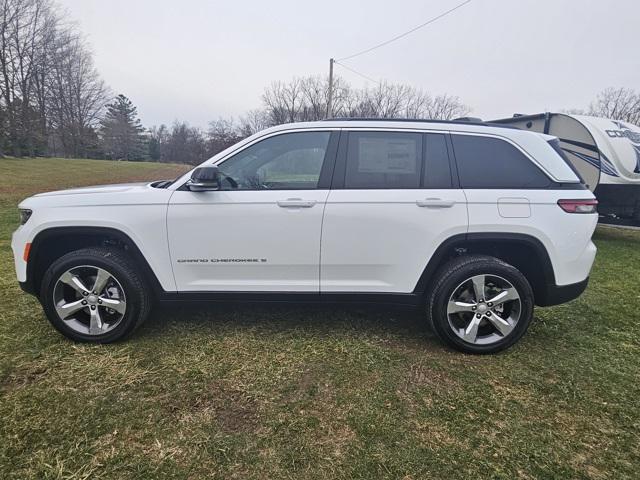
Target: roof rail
(469, 119)
(463, 120)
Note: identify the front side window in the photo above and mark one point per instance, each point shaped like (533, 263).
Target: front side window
(388, 160)
(291, 161)
(487, 162)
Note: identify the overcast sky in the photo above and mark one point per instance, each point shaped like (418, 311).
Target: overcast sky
(196, 60)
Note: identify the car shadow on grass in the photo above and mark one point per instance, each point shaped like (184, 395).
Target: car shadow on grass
(314, 319)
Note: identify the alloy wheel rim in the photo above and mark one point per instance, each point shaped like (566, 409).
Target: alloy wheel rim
(484, 309)
(89, 300)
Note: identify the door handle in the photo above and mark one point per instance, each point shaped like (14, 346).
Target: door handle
(296, 203)
(435, 203)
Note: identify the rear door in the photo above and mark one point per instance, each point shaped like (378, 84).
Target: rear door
(393, 201)
(261, 231)
(504, 188)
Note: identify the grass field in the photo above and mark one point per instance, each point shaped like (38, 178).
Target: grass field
(248, 392)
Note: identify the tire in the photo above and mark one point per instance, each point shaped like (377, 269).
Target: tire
(109, 315)
(471, 326)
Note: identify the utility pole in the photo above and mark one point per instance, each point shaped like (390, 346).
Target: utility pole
(330, 96)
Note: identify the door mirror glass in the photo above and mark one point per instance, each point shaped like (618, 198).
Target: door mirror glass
(204, 179)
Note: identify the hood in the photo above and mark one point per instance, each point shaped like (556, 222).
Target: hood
(116, 188)
(101, 195)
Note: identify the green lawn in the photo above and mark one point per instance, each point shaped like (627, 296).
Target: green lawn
(299, 392)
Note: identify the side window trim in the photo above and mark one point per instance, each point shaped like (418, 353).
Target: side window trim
(340, 169)
(453, 170)
(329, 161)
(455, 176)
(423, 164)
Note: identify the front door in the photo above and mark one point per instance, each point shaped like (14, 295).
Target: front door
(261, 231)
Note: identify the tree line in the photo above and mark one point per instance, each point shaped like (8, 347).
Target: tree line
(53, 101)
(299, 100)
(51, 94)
(616, 103)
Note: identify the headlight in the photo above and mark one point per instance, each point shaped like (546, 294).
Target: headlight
(25, 214)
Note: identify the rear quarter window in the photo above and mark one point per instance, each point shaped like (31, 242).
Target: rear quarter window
(555, 144)
(488, 162)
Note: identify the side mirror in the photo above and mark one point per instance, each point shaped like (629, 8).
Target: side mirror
(204, 179)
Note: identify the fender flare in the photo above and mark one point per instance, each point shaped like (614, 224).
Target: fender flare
(48, 234)
(464, 239)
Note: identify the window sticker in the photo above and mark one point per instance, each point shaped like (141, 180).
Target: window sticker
(384, 155)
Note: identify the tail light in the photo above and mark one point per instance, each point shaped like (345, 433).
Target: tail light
(579, 206)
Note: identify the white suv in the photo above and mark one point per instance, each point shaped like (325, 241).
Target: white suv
(474, 223)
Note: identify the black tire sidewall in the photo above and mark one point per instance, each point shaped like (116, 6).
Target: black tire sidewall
(451, 279)
(130, 285)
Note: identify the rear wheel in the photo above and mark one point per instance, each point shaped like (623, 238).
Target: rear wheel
(480, 304)
(94, 295)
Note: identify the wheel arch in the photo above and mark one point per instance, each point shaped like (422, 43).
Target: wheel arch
(52, 243)
(525, 252)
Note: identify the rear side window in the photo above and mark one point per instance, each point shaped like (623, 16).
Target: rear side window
(486, 162)
(389, 160)
(437, 170)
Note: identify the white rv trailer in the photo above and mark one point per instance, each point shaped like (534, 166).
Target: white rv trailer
(605, 152)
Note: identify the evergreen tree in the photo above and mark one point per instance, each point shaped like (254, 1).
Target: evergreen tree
(122, 132)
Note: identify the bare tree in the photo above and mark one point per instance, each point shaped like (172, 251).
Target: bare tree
(25, 32)
(315, 91)
(314, 98)
(50, 92)
(617, 103)
(386, 100)
(252, 122)
(222, 134)
(305, 99)
(446, 107)
(283, 101)
(76, 95)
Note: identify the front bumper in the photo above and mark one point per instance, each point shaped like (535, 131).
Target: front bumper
(19, 240)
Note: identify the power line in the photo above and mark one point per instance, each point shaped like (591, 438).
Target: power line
(398, 37)
(356, 72)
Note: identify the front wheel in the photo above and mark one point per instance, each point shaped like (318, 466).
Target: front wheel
(94, 295)
(480, 304)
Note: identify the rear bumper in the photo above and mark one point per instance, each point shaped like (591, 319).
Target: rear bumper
(27, 287)
(557, 294)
